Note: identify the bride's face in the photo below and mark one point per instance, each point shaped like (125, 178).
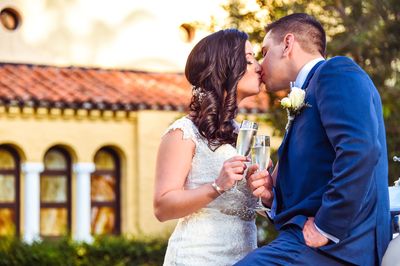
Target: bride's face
(250, 83)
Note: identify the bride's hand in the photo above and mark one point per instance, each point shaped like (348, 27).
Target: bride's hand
(232, 171)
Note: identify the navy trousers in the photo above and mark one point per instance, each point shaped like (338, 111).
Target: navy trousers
(289, 248)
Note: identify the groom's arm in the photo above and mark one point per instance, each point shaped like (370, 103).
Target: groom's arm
(345, 102)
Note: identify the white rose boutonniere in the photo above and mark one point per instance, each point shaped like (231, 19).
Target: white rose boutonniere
(294, 103)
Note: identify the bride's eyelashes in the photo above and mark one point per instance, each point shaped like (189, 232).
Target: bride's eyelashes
(250, 62)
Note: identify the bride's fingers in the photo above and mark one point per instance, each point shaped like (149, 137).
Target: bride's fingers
(236, 164)
(237, 158)
(238, 170)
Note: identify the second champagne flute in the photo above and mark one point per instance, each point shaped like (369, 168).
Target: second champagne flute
(260, 155)
(244, 142)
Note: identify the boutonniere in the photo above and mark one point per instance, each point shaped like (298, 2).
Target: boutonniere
(294, 103)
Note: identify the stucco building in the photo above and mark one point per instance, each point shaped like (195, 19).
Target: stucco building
(78, 144)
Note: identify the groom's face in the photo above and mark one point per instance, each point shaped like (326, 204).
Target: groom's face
(275, 64)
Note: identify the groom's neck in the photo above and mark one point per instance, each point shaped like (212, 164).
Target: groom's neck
(302, 59)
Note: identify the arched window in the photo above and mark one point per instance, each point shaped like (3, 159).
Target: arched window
(105, 193)
(9, 191)
(55, 194)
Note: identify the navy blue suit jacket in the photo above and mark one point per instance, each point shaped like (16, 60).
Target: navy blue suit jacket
(333, 164)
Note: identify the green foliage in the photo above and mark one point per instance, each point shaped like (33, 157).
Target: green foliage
(367, 31)
(266, 231)
(104, 251)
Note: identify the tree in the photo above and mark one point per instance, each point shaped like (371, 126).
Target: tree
(367, 31)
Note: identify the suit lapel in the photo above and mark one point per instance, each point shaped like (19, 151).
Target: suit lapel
(305, 85)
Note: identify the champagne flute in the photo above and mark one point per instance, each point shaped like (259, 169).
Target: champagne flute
(261, 152)
(247, 131)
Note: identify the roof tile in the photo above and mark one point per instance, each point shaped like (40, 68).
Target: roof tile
(75, 85)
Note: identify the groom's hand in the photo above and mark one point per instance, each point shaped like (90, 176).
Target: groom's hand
(261, 184)
(312, 236)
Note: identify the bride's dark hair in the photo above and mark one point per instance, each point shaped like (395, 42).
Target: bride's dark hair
(214, 68)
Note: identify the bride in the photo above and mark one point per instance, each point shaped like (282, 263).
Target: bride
(197, 163)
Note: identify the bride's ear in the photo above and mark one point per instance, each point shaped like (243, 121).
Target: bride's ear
(288, 42)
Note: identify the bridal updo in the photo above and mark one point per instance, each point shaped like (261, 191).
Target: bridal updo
(214, 68)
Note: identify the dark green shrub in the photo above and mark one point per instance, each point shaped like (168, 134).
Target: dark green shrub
(64, 252)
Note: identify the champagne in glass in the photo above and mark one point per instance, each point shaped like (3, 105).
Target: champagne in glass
(261, 152)
(244, 141)
(247, 131)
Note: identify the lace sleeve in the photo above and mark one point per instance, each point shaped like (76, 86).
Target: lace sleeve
(186, 126)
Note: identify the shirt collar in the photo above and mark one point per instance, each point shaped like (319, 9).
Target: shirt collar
(305, 70)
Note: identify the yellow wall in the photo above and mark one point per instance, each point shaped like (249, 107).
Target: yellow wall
(33, 133)
(135, 136)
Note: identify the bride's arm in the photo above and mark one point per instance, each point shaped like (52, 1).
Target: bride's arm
(174, 160)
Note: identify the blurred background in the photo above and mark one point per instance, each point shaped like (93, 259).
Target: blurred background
(87, 88)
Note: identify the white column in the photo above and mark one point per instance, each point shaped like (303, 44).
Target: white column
(32, 200)
(82, 215)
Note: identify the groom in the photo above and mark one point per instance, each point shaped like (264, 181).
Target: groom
(330, 196)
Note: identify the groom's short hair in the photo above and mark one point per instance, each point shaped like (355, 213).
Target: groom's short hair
(306, 29)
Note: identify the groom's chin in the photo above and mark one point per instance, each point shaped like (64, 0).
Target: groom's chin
(271, 89)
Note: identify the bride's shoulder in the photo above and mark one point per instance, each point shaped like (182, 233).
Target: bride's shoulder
(187, 127)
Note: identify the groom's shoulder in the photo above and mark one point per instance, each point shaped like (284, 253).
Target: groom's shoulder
(339, 61)
(340, 64)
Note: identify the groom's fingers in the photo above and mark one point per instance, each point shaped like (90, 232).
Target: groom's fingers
(252, 169)
(312, 237)
(263, 192)
(258, 192)
(256, 183)
(256, 180)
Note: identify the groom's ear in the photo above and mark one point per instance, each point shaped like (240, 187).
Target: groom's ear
(288, 42)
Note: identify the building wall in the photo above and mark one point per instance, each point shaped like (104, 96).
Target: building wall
(151, 125)
(143, 35)
(135, 136)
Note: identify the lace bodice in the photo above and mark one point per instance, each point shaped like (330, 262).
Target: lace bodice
(206, 166)
(222, 232)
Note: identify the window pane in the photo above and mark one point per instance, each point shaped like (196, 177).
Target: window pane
(103, 220)
(53, 189)
(53, 221)
(7, 188)
(7, 226)
(104, 161)
(6, 160)
(55, 160)
(103, 188)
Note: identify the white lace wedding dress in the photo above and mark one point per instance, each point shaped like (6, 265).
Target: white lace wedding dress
(224, 231)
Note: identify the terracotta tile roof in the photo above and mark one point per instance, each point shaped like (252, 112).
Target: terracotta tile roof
(90, 88)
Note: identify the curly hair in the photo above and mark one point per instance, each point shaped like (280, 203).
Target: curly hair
(214, 68)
